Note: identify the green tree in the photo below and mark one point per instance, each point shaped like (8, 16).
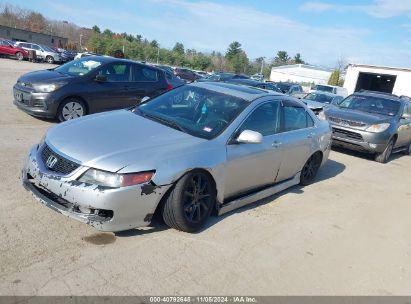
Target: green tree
(234, 49)
(154, 44)
(298, 59)
(334, 78)
(178, 48)
(96, 29)
(282, 57)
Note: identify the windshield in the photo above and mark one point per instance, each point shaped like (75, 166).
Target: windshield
(285, 87)
(46, 48)
(324, 88)
(196, 111)
(371, 104)
(79, 67)
(318, 97)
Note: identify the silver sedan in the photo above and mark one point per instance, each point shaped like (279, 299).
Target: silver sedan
(199, 148)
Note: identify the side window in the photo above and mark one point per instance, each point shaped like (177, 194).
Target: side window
(117, 72)
(407, 108)
(264, 119)
(145, 74)
(36, 47)
(296, 118)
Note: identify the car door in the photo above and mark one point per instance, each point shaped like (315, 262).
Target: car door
(145, 82)
(404, 127)
(112, 93)
(296, 135)
(250, 166)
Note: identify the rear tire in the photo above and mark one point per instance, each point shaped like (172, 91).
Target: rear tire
(384, 156)
(19, 56)
(310, 169)
(71, 108)
(190, 203)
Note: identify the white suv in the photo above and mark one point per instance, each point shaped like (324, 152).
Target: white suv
(42, 52)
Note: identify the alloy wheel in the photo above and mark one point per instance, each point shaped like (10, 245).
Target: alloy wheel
(72, 110)
(311, 167)
(197, 198)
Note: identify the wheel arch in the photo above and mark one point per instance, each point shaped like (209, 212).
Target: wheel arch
(74, 96)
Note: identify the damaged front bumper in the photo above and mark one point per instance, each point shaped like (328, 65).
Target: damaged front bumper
(105, 209)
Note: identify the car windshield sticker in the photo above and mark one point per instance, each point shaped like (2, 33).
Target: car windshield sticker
(207, 129)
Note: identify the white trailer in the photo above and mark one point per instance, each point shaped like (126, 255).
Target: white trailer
(378, 78)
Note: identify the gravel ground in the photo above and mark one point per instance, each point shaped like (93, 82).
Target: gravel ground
(347, 234)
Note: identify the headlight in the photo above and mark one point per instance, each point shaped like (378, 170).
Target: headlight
(321, 116)
(47, 88)
(114, 180)
(378, 128)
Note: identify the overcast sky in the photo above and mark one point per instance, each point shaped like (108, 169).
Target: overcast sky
(371, 32)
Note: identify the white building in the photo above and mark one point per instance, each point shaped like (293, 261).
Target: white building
(300, 73)
(378, 78)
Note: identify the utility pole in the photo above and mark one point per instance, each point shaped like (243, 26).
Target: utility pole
(81, 48)
(158, 53)
(262, 65)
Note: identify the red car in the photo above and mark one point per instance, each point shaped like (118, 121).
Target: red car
(8, 49)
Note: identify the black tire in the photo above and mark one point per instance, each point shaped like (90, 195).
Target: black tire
(19, 56)
(384, 156)
(50, 59)
(190, 203)
(71, 108)
(310, 169)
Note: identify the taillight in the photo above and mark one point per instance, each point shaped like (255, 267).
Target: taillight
(169, 87)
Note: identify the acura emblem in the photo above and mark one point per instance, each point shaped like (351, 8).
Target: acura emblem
(51, 161)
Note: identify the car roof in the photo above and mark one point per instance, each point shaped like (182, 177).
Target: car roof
(240, 91)
(325, 93)
(379, 95)
(108, 59)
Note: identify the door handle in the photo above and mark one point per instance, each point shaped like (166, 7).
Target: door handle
(276, 144)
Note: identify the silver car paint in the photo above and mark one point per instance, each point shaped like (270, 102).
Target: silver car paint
(123, 142)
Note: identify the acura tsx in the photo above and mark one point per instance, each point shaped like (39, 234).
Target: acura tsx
(199, 148)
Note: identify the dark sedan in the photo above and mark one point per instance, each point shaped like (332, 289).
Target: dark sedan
(88, 85)
(257, 84)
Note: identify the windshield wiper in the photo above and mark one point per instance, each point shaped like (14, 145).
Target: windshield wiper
(164, 121)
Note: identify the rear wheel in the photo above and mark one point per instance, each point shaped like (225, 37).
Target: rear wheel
(71, 108)
(50, 59)
(310, 169)
(385, 155)
(189, 204)
(19, 56)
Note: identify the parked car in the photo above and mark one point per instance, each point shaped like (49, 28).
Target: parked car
(87, 85)
(85, 54)
(330, 89)
(8, 49)
(257, 84)
(372, 122)
(42, 52)
(172, 79)
(318, 100)
(197, 148)
(222, 77)
(290, 88)
(186, 74)
(259, 77)
(66, 55)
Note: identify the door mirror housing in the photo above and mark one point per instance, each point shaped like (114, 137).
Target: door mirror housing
(406, 116)
(101, 78)
(145, 98)
(250, 137)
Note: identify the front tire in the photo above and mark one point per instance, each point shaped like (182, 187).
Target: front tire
(385, 155)
(71, 108)
(190, 202)
(50, 59)
(310, 169)
(408, 151)
(19, 56)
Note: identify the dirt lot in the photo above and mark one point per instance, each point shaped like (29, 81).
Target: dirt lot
(349, 233)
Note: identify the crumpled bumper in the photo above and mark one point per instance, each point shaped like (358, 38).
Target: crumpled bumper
(105, 209)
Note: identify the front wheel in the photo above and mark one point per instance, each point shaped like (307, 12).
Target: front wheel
(50, 59)
(19, 56)
(385, 155)
(408, 150)
(189, 204)
(71, 108)
(310, 169)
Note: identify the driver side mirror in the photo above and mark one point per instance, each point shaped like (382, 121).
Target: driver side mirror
(250, 137)
(101, 78)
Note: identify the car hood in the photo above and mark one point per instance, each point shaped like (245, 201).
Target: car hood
(314, 104)
(44, 76)
(114, 140)
(357, 116)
